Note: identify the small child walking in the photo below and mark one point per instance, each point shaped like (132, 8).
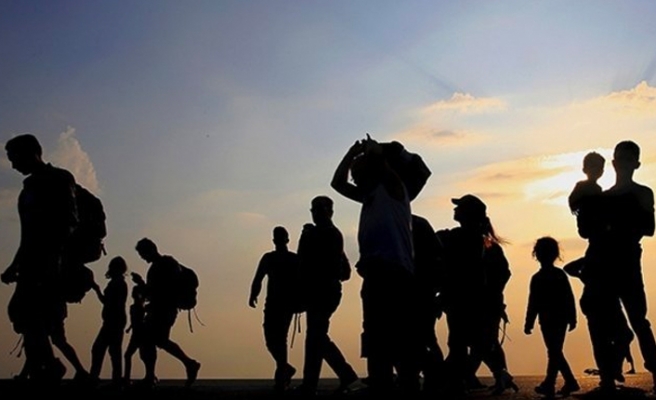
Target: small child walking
(551, 301)
(110, 336)
(137, 315)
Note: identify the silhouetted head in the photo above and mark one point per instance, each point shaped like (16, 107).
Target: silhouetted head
(24, 152)
(117, 267)
(147, 250)
(626, 157)
(593, 165)
(280, 236)
(366, 170)
(546, 250)
(322, 210)
(469, 208)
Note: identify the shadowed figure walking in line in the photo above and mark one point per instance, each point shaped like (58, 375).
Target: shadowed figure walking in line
(47, 212)
(630, 217)
(136, 329)
(552, 302)
(281, 267)
(390, 337)
(161, 285)
(324, 266)
(430, 275)
(612, 271)
(476, 271)
(110, 336)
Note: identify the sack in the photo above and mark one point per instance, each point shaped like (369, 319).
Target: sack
(187, 292)
(76, 281)
(410, 167)
(87, 239)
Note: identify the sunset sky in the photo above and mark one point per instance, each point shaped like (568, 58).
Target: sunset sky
(204, 124)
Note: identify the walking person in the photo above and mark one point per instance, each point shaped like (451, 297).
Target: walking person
(114, 319)
(551, 301)
(136, 330)
(161, 312)
(47, 212)
(281, 269)
(324, 266)
(389, 297)
(630, 217)
(476, 272)
(428, 253)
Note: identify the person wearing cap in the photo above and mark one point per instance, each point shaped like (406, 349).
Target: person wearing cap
(390, 338)
(476, 273)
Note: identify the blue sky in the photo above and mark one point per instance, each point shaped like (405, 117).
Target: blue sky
(203, 124)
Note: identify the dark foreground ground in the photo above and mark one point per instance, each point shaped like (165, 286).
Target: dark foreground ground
(636, 387)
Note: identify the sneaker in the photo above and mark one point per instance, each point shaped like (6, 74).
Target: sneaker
(545, 390)
(192, 372)
(345, 385)
(568, 388)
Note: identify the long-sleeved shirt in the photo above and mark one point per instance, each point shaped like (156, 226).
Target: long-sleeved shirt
(551, 299)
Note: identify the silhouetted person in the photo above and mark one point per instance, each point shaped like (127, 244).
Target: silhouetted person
(136, 330)
(599, 304)
(474, 304)
(389, 296)
(47, 212)
(630, 217)
(281, 267)
(609, 330)
(582, 199)
(161, 312)
(114, 319)
(324, 267)
(551, 301)
(429, 269)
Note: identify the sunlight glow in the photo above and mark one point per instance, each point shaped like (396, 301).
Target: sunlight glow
(567, 169)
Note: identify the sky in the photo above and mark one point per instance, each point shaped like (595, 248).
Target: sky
(204, 124)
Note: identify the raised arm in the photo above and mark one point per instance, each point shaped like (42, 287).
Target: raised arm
(340, 180)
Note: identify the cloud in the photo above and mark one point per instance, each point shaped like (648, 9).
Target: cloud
(466, 103)
(429, 135)
(637, 101)
(70, 155)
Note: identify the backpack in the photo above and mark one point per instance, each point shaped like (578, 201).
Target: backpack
(76, 281)
(87, 239)
(187, 292)
(187, 288)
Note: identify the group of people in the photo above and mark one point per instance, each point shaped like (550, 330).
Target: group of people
(413, 274)
(38, 307)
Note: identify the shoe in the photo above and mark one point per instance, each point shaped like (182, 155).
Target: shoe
(504, 382)
(569, 388)
(345, 385)
(545, 390)
(192, 372)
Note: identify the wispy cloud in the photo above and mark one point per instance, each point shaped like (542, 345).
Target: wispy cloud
(446, 122)
(466, 103)
(430, 135)
(70, 155)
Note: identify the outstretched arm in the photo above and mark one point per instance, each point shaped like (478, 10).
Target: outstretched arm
(340, 179)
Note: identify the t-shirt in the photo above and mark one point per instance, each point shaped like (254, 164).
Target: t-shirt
(385, 230)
